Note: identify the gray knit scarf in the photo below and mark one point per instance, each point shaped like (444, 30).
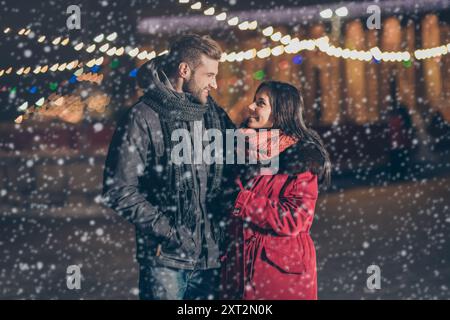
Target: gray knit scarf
(175, 111)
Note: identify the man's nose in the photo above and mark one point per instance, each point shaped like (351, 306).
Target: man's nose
(213, 84)
(252, 107)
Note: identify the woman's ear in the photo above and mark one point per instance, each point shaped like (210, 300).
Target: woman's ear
(184, 71)
(272, 118)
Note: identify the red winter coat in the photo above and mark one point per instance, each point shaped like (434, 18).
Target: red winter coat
(271, 255)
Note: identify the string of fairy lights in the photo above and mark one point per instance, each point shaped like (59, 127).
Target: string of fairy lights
(289, 45)
(78, 75)
(57, 106)
(42, 105)
(294, 45)
(105, 48)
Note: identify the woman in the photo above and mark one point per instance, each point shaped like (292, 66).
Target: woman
(270, 253)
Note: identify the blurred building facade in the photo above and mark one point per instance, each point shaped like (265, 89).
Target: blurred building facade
(338, 90)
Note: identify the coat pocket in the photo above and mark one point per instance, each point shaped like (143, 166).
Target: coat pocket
(181, 243)
(285, 254)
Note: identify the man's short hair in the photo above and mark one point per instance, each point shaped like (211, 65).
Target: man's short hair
(189, 49)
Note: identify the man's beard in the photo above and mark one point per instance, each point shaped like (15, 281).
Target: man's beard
(191, 87)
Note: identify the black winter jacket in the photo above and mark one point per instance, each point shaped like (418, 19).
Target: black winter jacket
(177, 224)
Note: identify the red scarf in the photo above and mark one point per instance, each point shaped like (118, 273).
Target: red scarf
(264, 145)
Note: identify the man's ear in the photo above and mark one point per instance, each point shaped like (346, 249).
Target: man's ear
(184, 71)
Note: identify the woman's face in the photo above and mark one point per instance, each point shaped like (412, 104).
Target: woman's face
(260, 111)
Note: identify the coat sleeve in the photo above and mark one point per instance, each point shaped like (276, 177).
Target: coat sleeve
(286, 215)
(125, 164)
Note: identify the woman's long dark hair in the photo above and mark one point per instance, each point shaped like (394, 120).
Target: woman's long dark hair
(287, 112)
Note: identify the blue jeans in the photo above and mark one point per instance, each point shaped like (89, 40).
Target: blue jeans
(164, 283)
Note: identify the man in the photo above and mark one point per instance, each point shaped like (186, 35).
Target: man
(178, 230)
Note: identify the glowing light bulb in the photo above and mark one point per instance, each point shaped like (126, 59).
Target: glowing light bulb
(233, 21)
(253, 25)
(112, 36)
(285, 40)
(104, 47)
(99, 38)
(268, 31)
(91, 48)
(209, 12)
(326, 14)
(221, 17)
(65, 42)
(196, 6)
(56, 41)
(79, 46)
(342, 12)
(120, 51)
(276, 36)
(111, 51)
(277, 50)
(133, 53)
(243, 25)
(263, 53)
(40, 102)
(250, 54)
(54, 67)
(62, 67)
(151, 55)
(142, 55)
(90, 63)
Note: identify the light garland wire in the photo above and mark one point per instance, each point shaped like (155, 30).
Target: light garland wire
(286, 40)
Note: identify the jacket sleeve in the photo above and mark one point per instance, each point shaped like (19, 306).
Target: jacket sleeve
(288, 214)
(125, 164)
